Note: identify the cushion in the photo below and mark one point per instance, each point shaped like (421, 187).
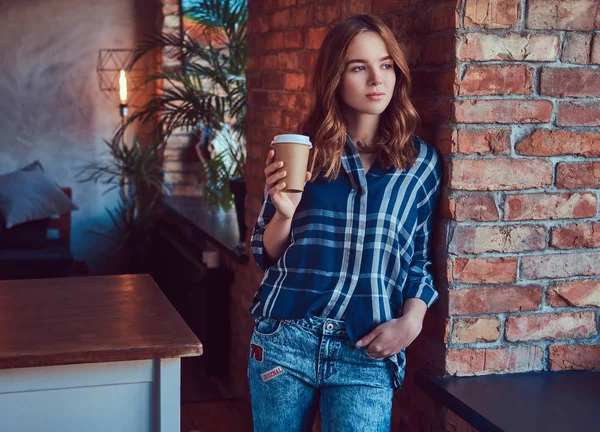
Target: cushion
(28, 235)
(29, 194)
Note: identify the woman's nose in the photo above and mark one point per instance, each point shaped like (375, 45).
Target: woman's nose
(375, 79)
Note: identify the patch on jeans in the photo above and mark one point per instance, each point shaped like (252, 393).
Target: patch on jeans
(256, 352)
(272, 374)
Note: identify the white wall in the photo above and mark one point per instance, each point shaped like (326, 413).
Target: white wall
(51, 107)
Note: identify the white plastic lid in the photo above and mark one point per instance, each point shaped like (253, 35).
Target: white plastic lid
(292, 138)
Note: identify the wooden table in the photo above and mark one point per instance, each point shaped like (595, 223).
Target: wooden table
(90, 354)
(527, 402)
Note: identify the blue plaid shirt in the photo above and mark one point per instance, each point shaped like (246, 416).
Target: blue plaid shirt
(359, 246)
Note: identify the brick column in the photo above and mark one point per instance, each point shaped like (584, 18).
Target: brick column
(523, 189)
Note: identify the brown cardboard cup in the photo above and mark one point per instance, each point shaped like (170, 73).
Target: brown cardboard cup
(293, 150)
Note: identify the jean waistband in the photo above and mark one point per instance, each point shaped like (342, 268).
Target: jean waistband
(320, 325)
(338, 327)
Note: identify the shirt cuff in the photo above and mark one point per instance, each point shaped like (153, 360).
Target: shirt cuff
(423, 290)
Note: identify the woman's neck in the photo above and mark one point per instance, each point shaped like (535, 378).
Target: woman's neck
(361, 127)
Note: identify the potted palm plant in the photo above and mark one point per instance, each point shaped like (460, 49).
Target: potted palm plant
(208, 93)
(136, 171)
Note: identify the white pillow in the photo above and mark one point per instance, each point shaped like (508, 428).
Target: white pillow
(28, 194)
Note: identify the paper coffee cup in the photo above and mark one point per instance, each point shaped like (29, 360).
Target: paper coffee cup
(293, 150)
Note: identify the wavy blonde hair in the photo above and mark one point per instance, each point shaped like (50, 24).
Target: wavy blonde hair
(325, 124)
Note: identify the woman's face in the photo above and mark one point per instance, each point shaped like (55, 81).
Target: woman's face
(367, 83)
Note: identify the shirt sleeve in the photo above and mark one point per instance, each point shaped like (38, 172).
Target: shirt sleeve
(419, 283)
(256, 242)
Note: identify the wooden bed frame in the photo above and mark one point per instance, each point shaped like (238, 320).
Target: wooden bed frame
(62, 223)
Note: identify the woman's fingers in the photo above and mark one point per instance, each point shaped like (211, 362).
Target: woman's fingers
(270, 157)
(272, 168)
(271, 180)
(307, 177)
(276, 188)
(271, 174)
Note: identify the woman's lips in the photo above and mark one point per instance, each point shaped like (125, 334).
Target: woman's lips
(376, 96)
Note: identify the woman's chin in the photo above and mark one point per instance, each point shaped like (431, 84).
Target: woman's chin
(372, 110)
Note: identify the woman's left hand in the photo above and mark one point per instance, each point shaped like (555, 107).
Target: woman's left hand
(392, 336)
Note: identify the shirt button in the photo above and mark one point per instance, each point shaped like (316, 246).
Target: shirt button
(329, 326)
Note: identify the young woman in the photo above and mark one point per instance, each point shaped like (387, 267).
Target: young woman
(347, 280)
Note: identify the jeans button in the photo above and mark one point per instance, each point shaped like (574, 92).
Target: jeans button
(329, 327)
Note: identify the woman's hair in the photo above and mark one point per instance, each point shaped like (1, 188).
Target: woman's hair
(325, 123)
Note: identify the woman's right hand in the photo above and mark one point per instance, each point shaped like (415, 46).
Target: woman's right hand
(285, 202)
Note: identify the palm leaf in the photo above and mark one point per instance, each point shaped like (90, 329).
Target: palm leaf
(210, 88)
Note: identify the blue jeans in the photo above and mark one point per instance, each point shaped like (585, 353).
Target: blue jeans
(298, 366)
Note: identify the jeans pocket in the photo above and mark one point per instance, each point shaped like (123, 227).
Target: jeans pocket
(267, 327)
(372, 358)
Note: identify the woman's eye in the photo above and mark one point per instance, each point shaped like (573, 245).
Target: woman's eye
(360, 68)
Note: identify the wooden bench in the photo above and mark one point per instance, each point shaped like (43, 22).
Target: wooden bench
(61, 224)
(527, 402)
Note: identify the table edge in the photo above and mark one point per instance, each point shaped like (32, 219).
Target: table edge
(99, 356)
